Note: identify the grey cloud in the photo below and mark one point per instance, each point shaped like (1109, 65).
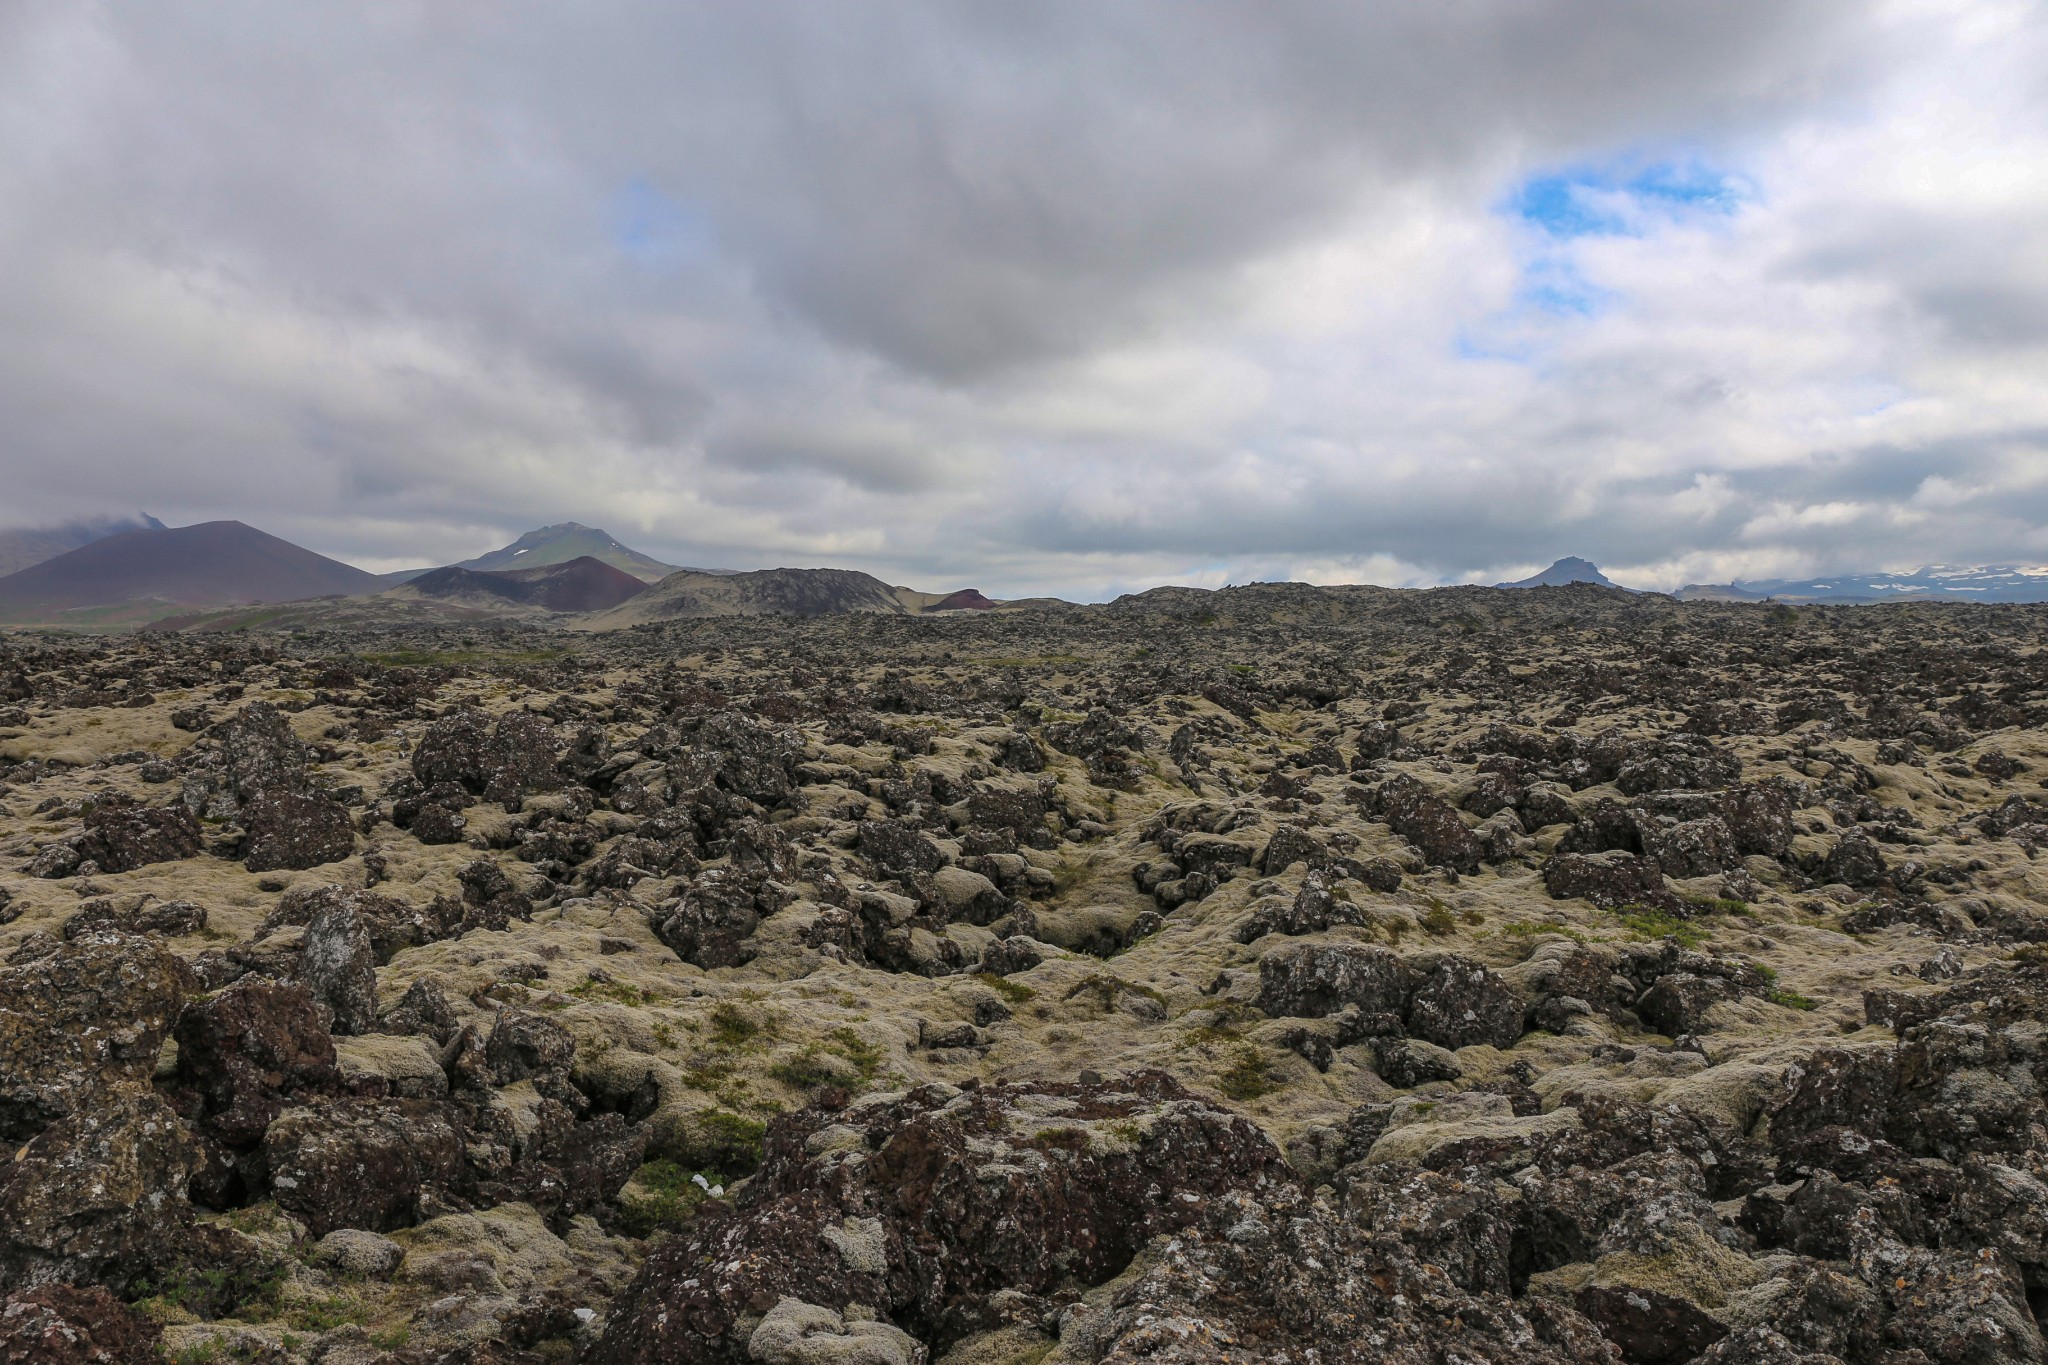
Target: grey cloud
(871, 461)
(366, 275)
(961, 187)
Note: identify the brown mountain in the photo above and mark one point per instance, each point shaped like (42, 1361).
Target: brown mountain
(582, 584)
(141, 575)
(967, 599)
(23, 546)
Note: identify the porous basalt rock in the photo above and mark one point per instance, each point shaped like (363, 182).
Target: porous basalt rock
(63, 1324)
(1002, 1188)
(249, 1049)
(99, 1196)
(81, 1024)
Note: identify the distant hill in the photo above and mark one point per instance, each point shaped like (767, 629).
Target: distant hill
(1568, 570)
(765, 592)
(788, 592)
(967, 599)
(25, 546)
(582, 584)
(1934, 583)
(572, 540)
(138, 576)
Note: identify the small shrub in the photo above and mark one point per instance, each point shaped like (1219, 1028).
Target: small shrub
(732, 1141)
(731, 1026)
(806, 1070)
(617, 991)
(1249, 1075)
(707, 1073)
(662, 1193)
(866, 1057)
(1209, 1035)
(1105, 988)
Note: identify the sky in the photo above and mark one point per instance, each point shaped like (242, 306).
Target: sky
(1044, 297)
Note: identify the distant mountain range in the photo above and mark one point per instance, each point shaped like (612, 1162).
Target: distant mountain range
(122, 573)
(224, 575)
(1935, 583)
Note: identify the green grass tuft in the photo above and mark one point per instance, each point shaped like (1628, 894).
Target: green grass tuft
(1016, 992)
(1647, 924)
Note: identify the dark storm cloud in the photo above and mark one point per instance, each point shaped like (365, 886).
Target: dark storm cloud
(1072, 293)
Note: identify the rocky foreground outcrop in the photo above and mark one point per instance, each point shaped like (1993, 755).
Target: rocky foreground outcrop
(1271, 975)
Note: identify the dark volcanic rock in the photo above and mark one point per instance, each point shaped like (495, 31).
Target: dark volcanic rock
(121, 836)
(1428, 822)
(392, 924)
(262, 776)
(1649, 1328)
(81, 1024)
(515, 753)
(260, 753)
(1693, 848)
(1609, 880)
(1325, 852)
(98, 1196)
(372, 1164)
(172, 919)
(1311, 980)
(249, 1048)
(1457, 1003)
(338, 963)
(1314, 908)
(293, 830)
(1678, 1003)
(62, 1324)
(951, 1199)
(1262, 1278)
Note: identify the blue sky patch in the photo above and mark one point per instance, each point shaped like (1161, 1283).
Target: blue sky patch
(1631, 196)
(651, 227)
(1623, 199)
(1553, 285)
